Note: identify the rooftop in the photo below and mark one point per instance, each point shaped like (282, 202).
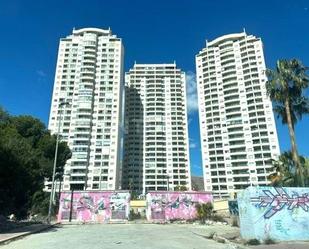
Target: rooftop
(223, 38)
(92, 30)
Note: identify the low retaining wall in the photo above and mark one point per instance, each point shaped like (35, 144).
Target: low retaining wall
(94, 206)
(274, 213)
(174, 205)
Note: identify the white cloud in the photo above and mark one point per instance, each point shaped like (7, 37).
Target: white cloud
(192, 101)
(41, 73)
(41, 76)
(195, 166)
(190, 120)
(192, 143)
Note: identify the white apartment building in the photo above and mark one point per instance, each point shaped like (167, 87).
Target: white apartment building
(237, 126)
(156, 155)
(89, 81)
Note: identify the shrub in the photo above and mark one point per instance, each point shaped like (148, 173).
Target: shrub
(269, 241)
(204, 211)
(133, 215)
(217, 217)
(253, 242)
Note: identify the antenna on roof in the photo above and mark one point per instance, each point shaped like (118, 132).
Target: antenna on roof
(206, 42)
(244, 30)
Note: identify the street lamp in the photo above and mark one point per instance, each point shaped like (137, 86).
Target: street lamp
(55, 162)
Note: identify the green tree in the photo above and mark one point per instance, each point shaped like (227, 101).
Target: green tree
(40, 203)
(181, 188)
(285, 87)
(4, 117)
(26, 158)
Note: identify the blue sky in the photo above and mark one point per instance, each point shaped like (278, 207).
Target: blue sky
(152, 32)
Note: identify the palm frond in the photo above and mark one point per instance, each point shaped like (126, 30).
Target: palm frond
(288, 81)
(284, 170)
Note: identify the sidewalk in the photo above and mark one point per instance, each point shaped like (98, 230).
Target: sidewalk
(229, 234)
(23, 231)
(284, 245)
(226, 231)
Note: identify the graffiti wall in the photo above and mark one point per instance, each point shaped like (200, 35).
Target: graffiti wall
(174, 205)
(96, 206)
(233, 207)
(275, 213)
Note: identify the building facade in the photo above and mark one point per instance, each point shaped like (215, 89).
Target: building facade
(86, 107)
(237, 126)
(156, 145)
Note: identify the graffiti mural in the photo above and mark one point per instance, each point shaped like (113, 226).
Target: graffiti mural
(276, 213)
(280, 200)
(100, 206)
(174, 205)
(233, 207)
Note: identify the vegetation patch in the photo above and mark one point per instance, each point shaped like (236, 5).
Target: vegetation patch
(253, 242)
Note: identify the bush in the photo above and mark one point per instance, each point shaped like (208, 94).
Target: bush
(253, 242)
(133, 215)
(180, 188)
(204, 211)
(217, 218)
(269, 241)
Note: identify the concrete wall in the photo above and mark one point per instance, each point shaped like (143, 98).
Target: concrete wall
(138, 207)
(174, 205)
(221, 205)
(275, 213)
(94, 206)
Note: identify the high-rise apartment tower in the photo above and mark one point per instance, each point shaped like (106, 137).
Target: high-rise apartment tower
(86, 105)
(156, 155)
(237, 127)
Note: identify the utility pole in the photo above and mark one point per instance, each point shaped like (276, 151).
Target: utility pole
(55, 163)
(71, 205)
(168, 182)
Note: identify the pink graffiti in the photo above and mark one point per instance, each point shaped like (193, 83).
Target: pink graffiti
(174, 205)
(98, 206)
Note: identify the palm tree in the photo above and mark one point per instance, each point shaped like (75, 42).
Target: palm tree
(284, 174)
(297, 111)
(285, 87)
(306, 169)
